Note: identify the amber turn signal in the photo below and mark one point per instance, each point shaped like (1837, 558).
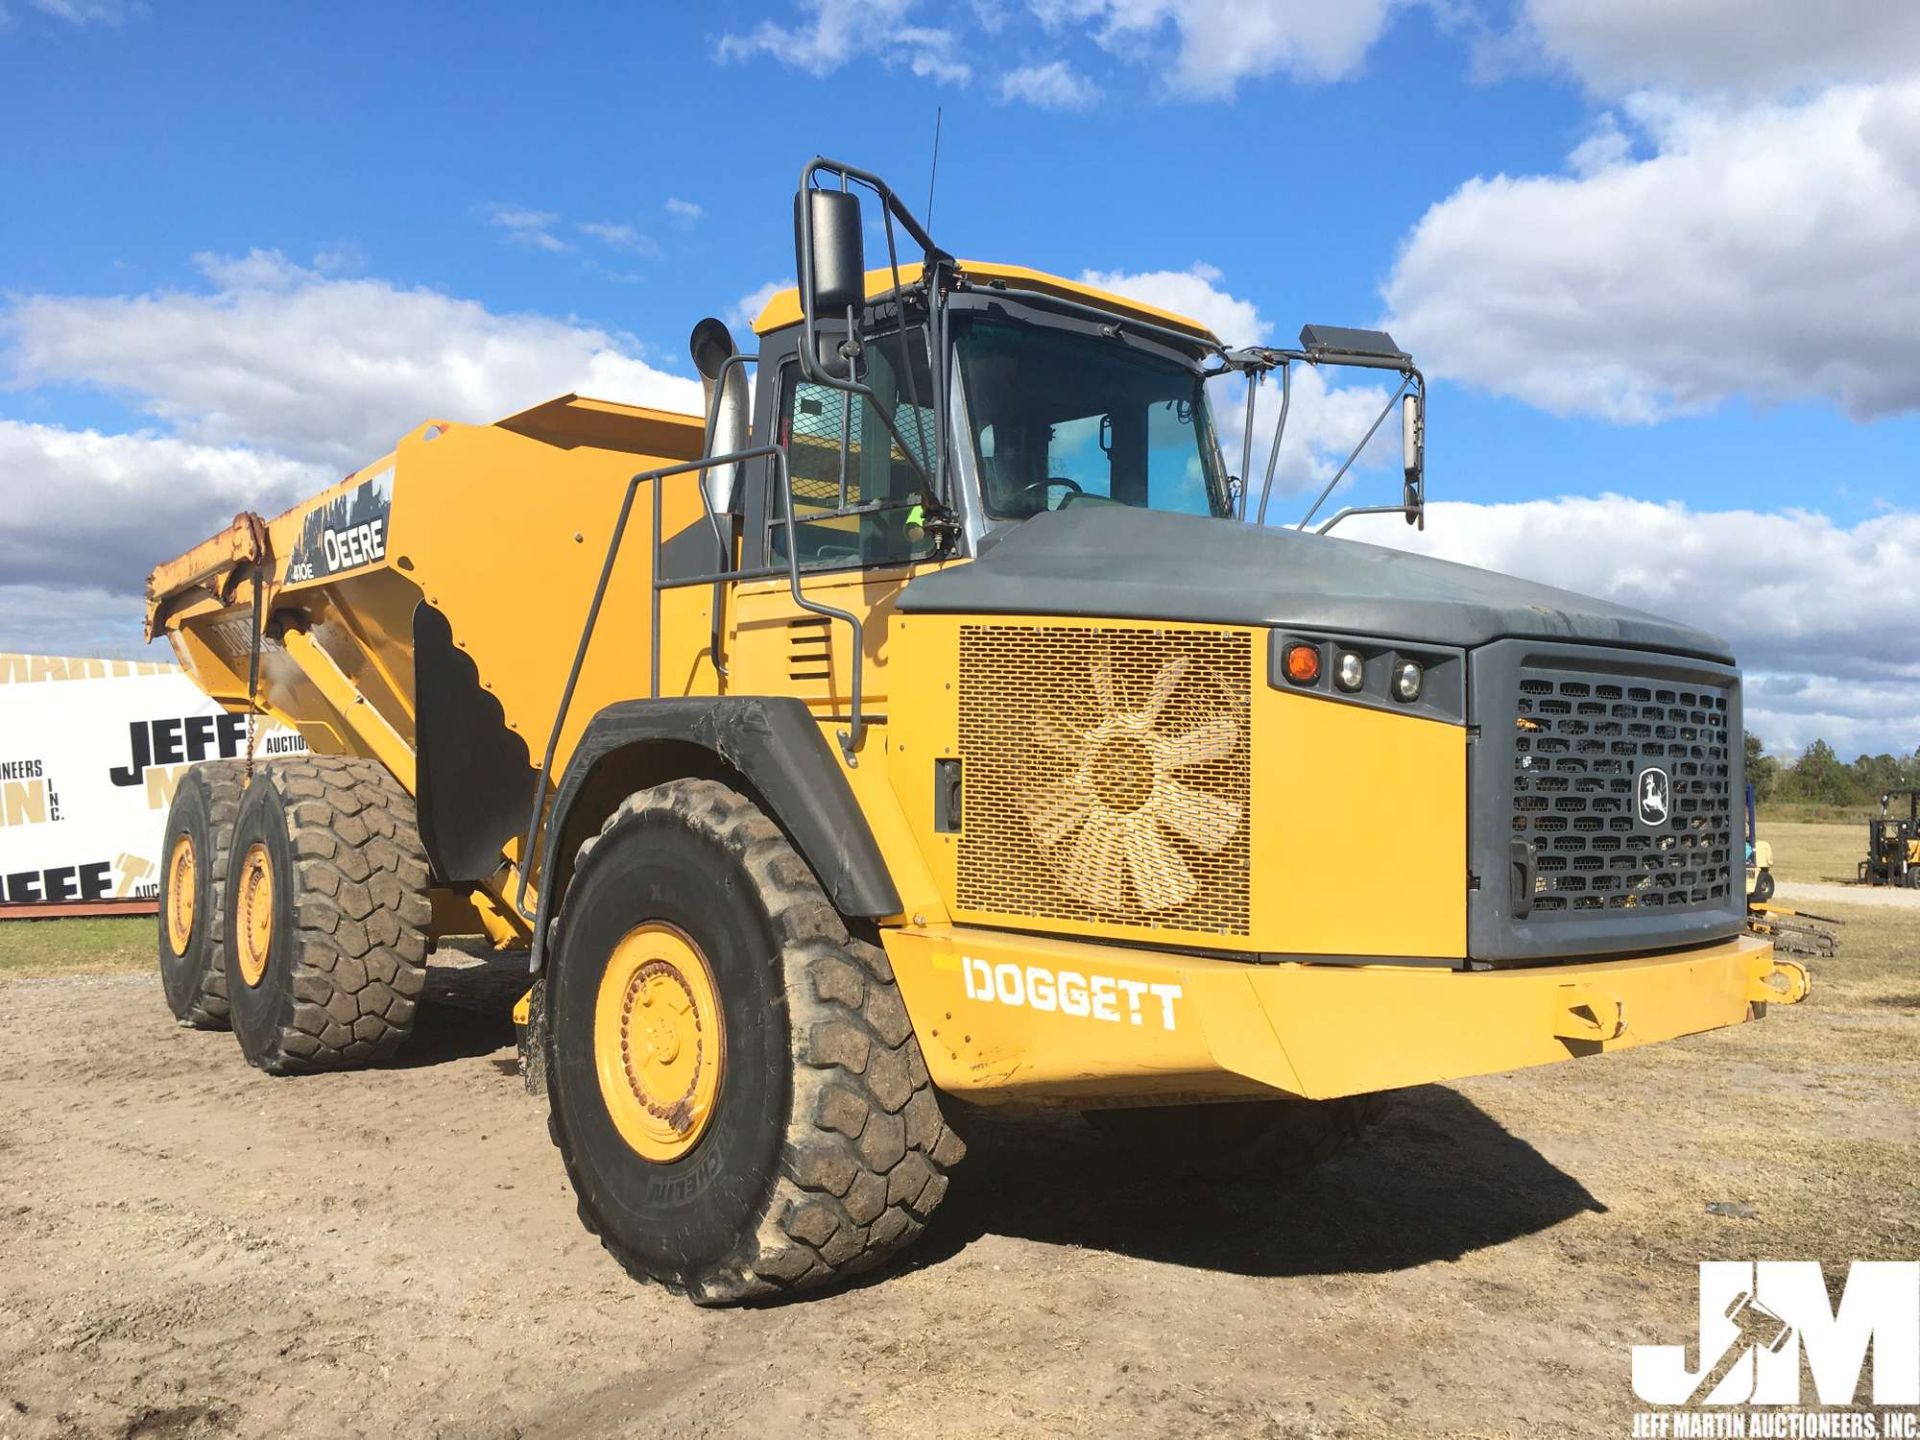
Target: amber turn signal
(1303, 664)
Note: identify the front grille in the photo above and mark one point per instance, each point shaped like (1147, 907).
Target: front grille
(1106, 775)
(1605, 836)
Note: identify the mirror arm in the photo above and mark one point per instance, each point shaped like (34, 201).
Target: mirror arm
(1279, 430)
(880, 188)
(1246, 443)
(1406, 380)
(1340, 515)
(809, 348)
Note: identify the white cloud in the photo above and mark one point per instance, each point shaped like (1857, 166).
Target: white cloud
(932, 54)
(79, 620)
(1606, 146)
(1812, 634)
(684, 211)
(1055, 85)
(990, 15)
(1219, 43)
(840, 30)
(71, 493)
(89, 12)
(1764, 250)
(1751, 46)
(531, 228)
(1323, 421)
(1192, 293)
(269, 384)
(279, 357)
(617, 236)
(744, 311)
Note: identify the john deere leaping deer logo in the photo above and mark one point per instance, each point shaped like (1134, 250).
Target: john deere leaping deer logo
(1115, 819)
(1656, 796)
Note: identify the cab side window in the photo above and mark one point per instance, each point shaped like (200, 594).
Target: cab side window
(842, 457)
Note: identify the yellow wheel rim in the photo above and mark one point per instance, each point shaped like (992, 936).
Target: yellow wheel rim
(253, 914)
(659, 1046)
(182, 894)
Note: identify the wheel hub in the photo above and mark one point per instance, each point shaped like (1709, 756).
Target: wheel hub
(182, 894)
(253, 915)
(659, 1044)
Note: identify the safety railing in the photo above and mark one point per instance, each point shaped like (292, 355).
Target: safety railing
(849, 738)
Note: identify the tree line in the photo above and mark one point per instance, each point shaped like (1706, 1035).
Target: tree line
(1821, 777)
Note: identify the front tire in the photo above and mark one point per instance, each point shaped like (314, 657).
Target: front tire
(1763, 887)
(326, 912)
(735, 1086)
(193, 885)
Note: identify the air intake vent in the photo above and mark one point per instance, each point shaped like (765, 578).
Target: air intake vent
(809, 651)
(1107, 775)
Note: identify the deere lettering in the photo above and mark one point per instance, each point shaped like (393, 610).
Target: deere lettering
(361, 545)
(349, 531)
(179, 740)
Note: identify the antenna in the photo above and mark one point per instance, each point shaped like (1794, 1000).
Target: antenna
(933, 173)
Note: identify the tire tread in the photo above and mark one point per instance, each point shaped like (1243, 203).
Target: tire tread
(225, 783)
(866, 1154)
(359, 951)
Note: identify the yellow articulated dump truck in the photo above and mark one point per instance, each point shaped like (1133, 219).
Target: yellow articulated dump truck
(927, 727)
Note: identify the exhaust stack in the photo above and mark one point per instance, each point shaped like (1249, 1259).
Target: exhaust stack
(725, 387)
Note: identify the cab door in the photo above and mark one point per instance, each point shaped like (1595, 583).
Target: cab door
(856, 525)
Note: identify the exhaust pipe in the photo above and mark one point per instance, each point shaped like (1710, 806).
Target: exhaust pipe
(725, 388)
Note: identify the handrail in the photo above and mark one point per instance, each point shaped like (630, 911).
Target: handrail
(849, 738)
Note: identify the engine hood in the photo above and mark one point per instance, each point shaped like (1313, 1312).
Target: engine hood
(1112, 561)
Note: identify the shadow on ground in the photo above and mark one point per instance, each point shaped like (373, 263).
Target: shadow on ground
(1436, 1179)
(466, 1009)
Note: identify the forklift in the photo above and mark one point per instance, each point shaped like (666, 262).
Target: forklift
(1893, 843)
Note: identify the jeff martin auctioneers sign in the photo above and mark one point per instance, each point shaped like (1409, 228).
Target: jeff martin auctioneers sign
(90, 753)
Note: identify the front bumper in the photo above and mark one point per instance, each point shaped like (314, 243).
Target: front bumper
(1026, 1020)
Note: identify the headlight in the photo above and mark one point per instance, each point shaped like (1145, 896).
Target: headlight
(1351, 673)
(1406, 682)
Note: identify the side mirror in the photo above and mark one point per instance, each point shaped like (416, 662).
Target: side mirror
(830, 252)
(1413, 459)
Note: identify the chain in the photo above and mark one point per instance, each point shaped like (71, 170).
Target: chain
(253, 677)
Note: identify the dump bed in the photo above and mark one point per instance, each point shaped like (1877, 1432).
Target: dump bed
(425, 610)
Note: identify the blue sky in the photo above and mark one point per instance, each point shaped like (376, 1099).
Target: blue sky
(1326, 160)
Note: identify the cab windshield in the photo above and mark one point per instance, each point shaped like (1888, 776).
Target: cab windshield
(1060, 419)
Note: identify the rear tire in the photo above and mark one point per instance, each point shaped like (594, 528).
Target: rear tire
(193, 885)
(812, 1146)
(326, 913)
(1270, 1140)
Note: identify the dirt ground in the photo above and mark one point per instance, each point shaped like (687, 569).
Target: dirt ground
(188, 1247)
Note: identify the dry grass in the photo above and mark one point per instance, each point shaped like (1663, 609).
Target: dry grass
(75, 947)
(1815, 852)
(1808, 812)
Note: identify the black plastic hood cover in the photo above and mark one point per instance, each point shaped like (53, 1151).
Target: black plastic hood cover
(1118, 562)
